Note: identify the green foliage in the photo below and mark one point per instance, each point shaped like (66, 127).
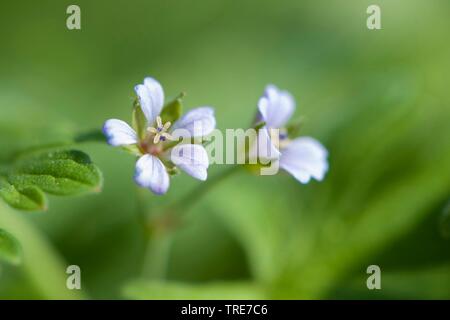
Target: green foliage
(158, 290)
(172, 110)
(10, 250)
(378, 100)
(57, 172)
(28, 198)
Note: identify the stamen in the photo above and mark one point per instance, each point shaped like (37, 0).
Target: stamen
(160, 131)
(159, 122)
(167, 125)
(152, 130)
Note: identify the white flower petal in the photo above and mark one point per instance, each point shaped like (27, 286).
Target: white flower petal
(151, 98)
(119, 133)
(305, 158)
(151, 174)
(263, 148)
(276, 107)
(198, 122)
(192, 159)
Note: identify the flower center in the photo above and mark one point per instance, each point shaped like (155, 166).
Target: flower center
(159, 132)
(279, 138)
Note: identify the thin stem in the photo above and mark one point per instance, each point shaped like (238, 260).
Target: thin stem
(156, 259)
(142, 209)
(158, 234)
(143, 222)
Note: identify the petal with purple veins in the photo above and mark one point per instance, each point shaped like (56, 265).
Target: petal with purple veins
(192, 159)
(152, 174)
(276, 107)
(119, 133)
(151, 98)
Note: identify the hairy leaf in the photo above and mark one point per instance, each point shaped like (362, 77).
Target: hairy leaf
(59, 173)
(28, 198)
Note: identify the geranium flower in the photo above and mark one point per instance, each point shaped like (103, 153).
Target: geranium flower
(159, 145)
(304, 157)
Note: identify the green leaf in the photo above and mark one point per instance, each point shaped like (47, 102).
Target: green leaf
(156, 290)
(10, 250)
(172, 110)
(59, 173)
(28, 198)
(139, 120)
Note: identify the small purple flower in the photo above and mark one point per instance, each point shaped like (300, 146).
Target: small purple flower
(159, 149)
(304, 157)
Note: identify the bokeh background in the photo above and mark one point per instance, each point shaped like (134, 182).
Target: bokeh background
(378, 100)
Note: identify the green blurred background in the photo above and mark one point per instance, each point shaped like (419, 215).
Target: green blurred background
(378, 100)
